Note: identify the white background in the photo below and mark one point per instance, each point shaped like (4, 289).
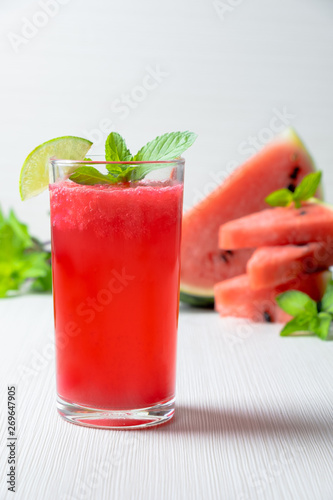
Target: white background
(225, 67)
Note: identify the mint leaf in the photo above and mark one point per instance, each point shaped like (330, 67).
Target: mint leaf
(43, 283)
(327, 300)
(307, 319)
(166, 147)
(307, 188)
(32, 265)
(280, 198)
(321, 325)
(295, 303)
(116, 149)
(140, 171)
(20, 231)
(91, 176)
(163, 148)
(296, 325)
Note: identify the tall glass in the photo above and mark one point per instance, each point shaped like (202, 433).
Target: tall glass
(116, 263)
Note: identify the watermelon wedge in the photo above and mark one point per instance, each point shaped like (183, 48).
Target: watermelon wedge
(272, 266)
(279, 226)
(283, 163)
(234, 297)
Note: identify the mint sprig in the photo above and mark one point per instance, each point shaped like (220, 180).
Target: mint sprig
(164, 148)
(23, 259)
(309, 317)
(295, 303)
(303, 192)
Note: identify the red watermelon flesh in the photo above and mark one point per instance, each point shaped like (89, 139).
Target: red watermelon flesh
(234, 297)
(279, 226)
(283, 163)
(272, 266)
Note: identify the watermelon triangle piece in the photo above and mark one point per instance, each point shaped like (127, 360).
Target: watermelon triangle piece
(271, 266)
(282, 163)
(279, 226)
(234, 297)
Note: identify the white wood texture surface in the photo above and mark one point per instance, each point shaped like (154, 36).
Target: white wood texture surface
(254, 418)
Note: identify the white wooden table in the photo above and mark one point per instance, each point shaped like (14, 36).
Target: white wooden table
(254, 418)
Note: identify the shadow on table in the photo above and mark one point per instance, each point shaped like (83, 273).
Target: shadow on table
(193, 420)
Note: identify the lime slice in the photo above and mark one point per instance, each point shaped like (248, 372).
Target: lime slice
(34, 177)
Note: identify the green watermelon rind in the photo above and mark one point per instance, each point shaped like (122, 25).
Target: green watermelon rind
(197, 300)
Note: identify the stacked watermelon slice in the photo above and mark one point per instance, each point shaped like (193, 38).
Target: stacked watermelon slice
(245, 254)
(294, 248)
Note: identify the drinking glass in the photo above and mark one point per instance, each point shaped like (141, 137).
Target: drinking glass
(115, 265)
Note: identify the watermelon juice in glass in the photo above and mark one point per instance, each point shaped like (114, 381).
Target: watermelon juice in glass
(116, 263)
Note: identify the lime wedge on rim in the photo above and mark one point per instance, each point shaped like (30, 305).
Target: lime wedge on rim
(34, 177)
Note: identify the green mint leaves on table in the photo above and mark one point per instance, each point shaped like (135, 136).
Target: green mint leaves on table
(309, 317)
(23, 260)
(304, 191)
(165, 147)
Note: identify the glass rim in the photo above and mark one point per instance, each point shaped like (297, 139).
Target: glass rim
(59, 162)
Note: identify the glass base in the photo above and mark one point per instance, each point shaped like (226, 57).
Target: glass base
(116, 419)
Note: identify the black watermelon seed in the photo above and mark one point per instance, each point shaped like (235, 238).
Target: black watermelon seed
(267, 317)
(295, 173)
(302, 212)
(230, 252)
(291, 188)
(224, 257)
